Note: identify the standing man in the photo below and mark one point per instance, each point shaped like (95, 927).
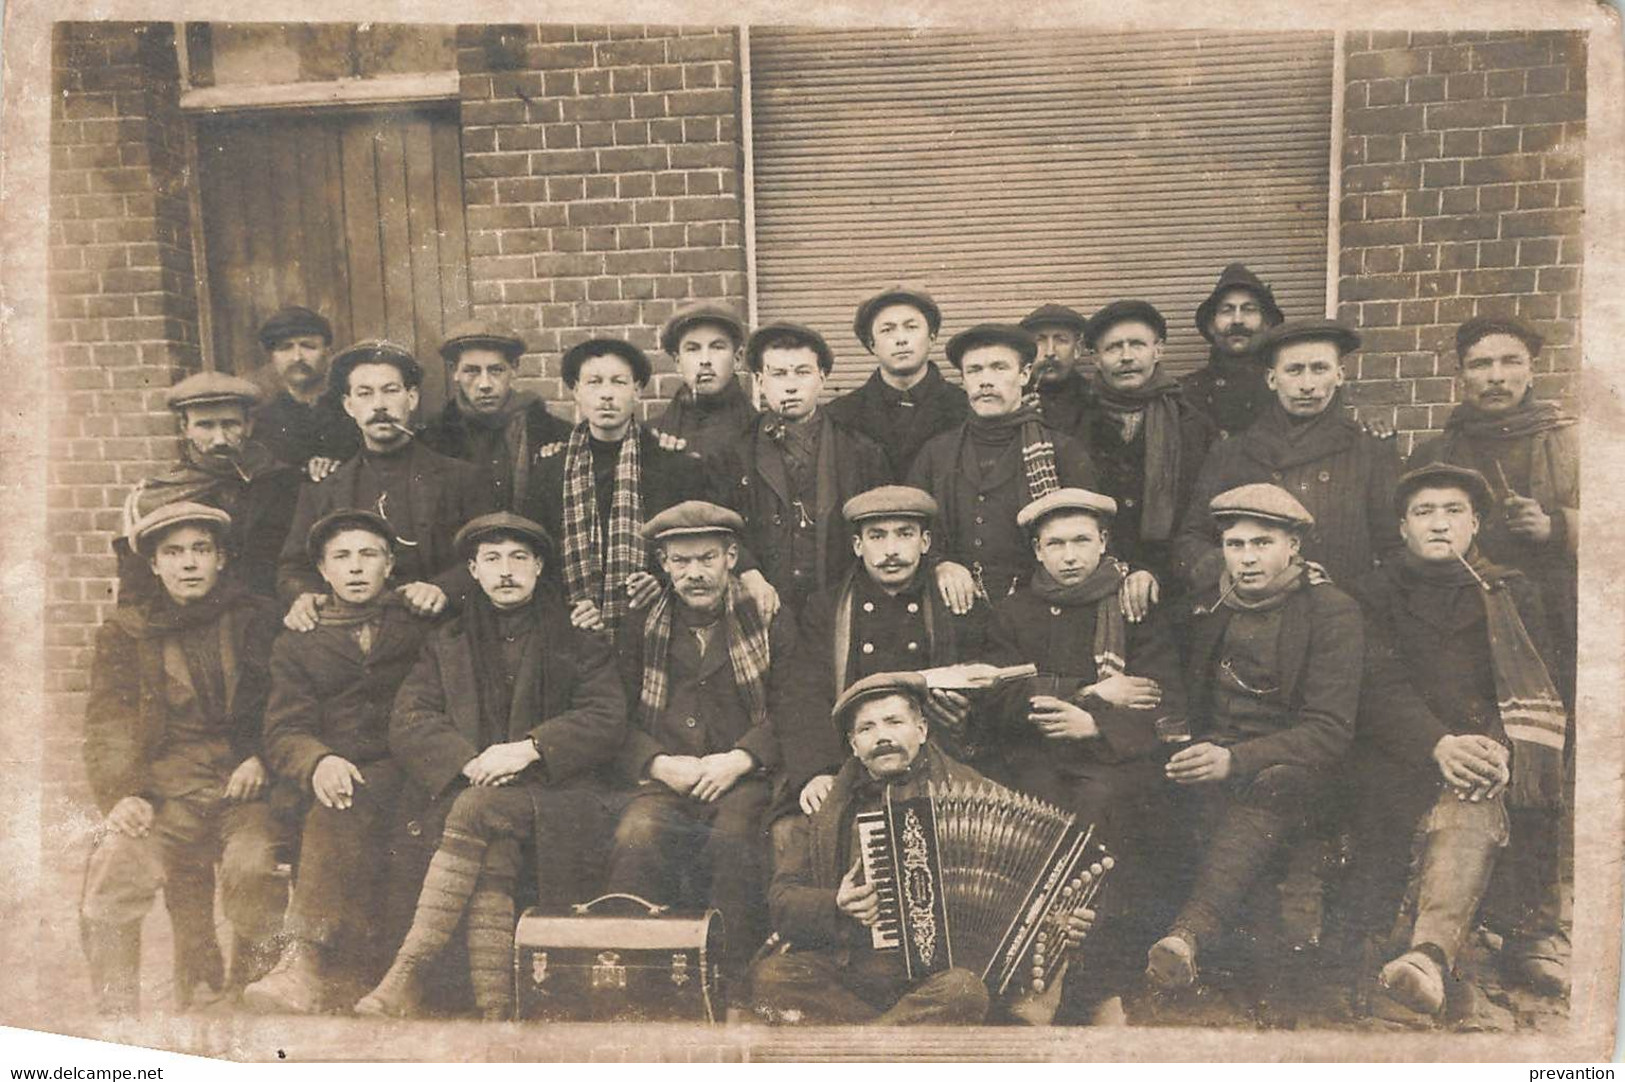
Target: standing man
(905, 401)
(1062, 390)
(711, 411)
(302, 424)
(489, 422)
(1231, 390)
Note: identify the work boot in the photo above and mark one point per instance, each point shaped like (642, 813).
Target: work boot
(294, 986)
(1536, 964)
(398, 995)
(1415, 980)
(113, 952)
(1171, 962)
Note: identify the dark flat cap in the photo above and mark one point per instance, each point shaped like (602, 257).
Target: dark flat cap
(1468, 334)
(875, 686)
(916, 298)
(1121, 311)
(1054, 315)
(1267, 503)
(580, 353)
(374, 351)
(1344, 337)
(1444, 475)
(788, 336)
(291, 322)
(992, 334)
(333, 523)
(481, 334)
(1237, 276)
(692, 315)
(149, 528)
(692, 518)
(890, 501)
(202, 387)
(1065, 499)
(501, 524)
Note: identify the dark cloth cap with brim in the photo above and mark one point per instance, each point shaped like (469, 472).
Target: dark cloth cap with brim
(1081, 500)
(1266, 503)
(693, 315)
(875, 686)
(373, 351)
(333, 523)
(205, 387)
(582, 352)
(481, 334)
(992, 334)
(1444, 475)
(1344, 337)
(1122, 311)
(1468, 334)
(1237, 276)
(890, 501)
(151, 527)
(863, 322)
(693, 518)
(788, 336)
(500, 524)
(1054, 315)
(291, 322)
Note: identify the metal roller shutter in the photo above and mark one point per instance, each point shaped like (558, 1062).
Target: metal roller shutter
(1003, 170)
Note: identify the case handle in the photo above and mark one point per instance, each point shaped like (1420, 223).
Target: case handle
(582, 908)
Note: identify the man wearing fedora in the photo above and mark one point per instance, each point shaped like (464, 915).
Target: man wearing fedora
(710, 411)
(489, 421)
(1230, 389)
(302, 424)
(1061, 389)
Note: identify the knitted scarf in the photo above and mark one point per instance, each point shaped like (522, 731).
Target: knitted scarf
(215, 480)
(1292, 578)
(1159, 401)
(687, 408)
(1098, 588)
(1527, 418)
(596, 568)
(1286, 441)
(512, 421)
(1037, 454)
(748, 653)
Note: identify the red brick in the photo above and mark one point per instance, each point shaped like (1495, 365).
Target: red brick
(1553, 80)
(629, 238)
(589, 83)
(1536, 307)
(1537, 196)
(1458, 201)
(1390, 121)
(1530, 51)
(1379, 178)
(1481, 282)
(495, 165)
(1425, 88)
(570, 265)
(566, 190)
(1423, 203)
(1465, 114)
(1557, 279)
(597, 133)
(606, 107)
(1498, 253)
(700, 208)
(620, 53)
(1540, 137)
(1502, 169)
(1540, 223)
(634, 186)
(1474, 227)
(1441, 174)
(604, 289)
(1436, 284)
(1500, 141)
(559, 56)
(633, 159)
(555, 162)
(1380, 287)
(1546, 109)
(666, 77)
(653, 210)
(631, 133)
(569, 240)
(629, 80)
(1496, 197)
(1537, 253)
(1379, 314)
(1504, 84)
(700, 102)
(710, 47)
(1420, 145)
(638, 262)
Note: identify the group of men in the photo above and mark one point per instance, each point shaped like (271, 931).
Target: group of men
(503, 659)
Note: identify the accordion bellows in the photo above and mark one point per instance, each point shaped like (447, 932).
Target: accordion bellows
(979, 877)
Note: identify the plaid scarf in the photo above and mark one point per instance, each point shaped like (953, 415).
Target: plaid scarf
(1099, 588)
(593, 570)
(748, 653)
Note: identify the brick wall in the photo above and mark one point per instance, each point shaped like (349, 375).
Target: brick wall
(1463, 159)
(602, 172)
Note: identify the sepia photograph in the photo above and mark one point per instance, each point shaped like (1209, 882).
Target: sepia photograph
(737, 533)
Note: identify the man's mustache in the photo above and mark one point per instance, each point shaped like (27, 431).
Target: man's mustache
(880, 749)
(892, 565)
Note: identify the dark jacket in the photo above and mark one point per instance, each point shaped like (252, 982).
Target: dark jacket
(1230, 392)
(710, 428)
(876, 410)
(449, 436)
(296, 433)
(1067, 404)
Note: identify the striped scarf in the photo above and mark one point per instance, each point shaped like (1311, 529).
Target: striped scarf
(1099, 588)
(1531, 711)
(748, 653)
(594, 571)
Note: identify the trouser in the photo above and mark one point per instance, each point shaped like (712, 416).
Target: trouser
(1524, 901)
(815, 987)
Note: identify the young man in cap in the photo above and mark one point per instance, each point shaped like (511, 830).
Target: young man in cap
(794, 468)
(1307, 444)
(707, 671)
(302, 424)
(425, 497)
(906, 401)
(172, 747)
(1062, 391)
(489, 421)
(1231, 390)
(327, 735)
(1273, 688)
(711, 410)
(505, 729)
(222, 466)
(1460, 724)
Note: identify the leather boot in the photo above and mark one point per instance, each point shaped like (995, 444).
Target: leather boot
(295, 986)
(1415, 980)
(1171, 962)
(1536, 964)
(113, 952)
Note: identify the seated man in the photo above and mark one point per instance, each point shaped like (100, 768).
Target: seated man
(1457, 703)
(506, 707)
(327, 735)
(1273, 689)
(172, 747)
(830, 972)
(707, 671)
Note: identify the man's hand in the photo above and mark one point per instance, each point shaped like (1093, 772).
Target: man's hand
(1058, 719)
(1527, 519)
(679, 773)
(1199, 763)
(334, 781)
(957, 587)
(1376, 426)
(1078, 926)
(670, 442)
(1469, 761)
(641, 590)
(1140, 592)
(132, 817)
(762, 593)
(424, 598)
(1131, 692)
(584, 616)
(719, 773)
(858, 902)
(247, 781)
(500, 763)
(302, 613)
(815, 791)
(319, 467)
(948, 709)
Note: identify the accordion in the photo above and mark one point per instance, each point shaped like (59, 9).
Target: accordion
(980, 877)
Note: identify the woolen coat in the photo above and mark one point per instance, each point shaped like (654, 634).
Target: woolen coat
(877, 411)
(448, 435)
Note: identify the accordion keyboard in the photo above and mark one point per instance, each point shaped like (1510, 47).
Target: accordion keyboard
(879, 869)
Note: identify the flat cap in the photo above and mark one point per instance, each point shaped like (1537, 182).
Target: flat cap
(788, 336)
(1444, 475)
(1468, 334)
(1237, 276)
(345, 518)
(917, 298)
(1267, 503)
(1120, 311)
(481, 334)
(692, 517)
(291, 322)
(992, 334)
(497, 523)
(160, 520)
(692, 315)
(1065, 499)
(875, 686)
(1344, 337)
(890, 501)
(373, 351)
(202, 387)
(580, 353)
(1053, 315)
